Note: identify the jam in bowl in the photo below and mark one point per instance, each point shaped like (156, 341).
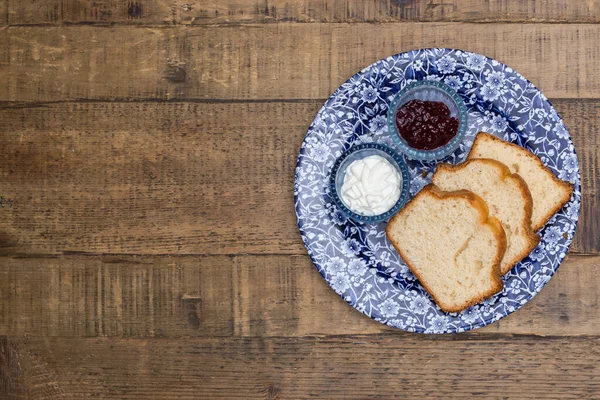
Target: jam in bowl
(427, 120)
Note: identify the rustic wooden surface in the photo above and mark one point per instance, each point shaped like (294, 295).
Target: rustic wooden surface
(148, 246)
(196, 12)
(269, 61)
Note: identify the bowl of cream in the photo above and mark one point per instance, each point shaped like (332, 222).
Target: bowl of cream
(369, 183)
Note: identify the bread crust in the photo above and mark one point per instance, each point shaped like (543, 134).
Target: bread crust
(484, 218)
(568, 187)
(504, 172)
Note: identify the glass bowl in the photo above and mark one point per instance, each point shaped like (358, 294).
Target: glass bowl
(428, 91)
(359, 152)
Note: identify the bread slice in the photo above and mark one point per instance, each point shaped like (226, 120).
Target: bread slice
(451, 244)
(549, 194)
(506, 196)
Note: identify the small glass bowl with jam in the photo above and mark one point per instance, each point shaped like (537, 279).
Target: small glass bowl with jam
(427, 120)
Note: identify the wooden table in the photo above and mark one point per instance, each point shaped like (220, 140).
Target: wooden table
(148, 241)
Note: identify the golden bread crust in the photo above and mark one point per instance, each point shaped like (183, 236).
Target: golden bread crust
(566, 187)
(505, 174)
(492, 222)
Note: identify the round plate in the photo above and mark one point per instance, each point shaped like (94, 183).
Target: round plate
(358, 261)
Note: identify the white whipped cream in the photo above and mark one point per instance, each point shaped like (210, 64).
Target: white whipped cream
(371, 186)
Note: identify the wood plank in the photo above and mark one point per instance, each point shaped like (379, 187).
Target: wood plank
(262, 296)
(3, 12)
(271, 61)
(177, 178)
(260, 11)
(587, 144)
(12, 384)
(91, 11)
(172, 297)
(210, 12)
(122, 178)
(382, 367)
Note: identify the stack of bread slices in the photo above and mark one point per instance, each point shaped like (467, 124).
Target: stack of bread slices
(476, 221)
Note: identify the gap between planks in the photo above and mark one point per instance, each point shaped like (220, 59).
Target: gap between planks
(167, 25)
(8, 104)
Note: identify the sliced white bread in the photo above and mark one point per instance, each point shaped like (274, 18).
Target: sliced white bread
(506, 196)
(549, 193)
(451, 244)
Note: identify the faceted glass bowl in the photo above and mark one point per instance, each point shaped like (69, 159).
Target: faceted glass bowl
(357, 153)
(428, 91)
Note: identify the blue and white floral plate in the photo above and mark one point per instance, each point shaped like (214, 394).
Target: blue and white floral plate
(358, 261)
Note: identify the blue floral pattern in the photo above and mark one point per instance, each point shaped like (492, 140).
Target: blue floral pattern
(358, 261)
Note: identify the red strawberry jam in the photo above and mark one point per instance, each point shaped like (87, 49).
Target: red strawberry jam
(426, 125)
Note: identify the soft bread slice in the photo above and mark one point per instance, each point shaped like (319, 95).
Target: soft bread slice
(549, 193)
(506, 196)
(451, 244)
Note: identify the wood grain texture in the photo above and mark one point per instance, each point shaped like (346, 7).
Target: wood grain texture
(263, 11)
(171, 127)
(92, 11)
(196, 178)
(381, 367)
(184, 178)
(12, 382)
(3, 12)
(210, 12)
(258, 296)
(172, 297)
(587, 145)
(276, 61)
